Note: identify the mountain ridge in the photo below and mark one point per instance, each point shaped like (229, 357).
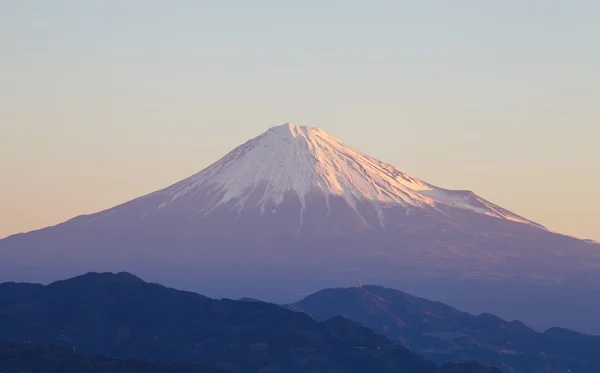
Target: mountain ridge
(442, 333)
(125, 317)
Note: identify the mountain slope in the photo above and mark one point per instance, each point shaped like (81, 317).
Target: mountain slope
(122, 316)
(442, 333)
(21, 357)
(295, 210)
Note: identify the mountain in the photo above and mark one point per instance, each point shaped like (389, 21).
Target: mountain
(122, 316)
(316, 185)
(295, 210)
(443, 334)
(21, 357)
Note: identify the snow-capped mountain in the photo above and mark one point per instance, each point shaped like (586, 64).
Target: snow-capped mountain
(295, 210)
(306, 162)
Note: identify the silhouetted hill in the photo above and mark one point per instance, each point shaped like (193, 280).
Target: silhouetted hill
(122, 316)
(21, 357)
(444, 334)
(13, 292)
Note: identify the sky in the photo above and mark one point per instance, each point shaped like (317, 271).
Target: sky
(104, 101)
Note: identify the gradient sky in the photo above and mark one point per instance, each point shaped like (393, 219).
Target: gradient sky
(103, 101)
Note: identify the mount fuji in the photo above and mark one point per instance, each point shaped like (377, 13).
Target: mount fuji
(295, 210)
(302, 170)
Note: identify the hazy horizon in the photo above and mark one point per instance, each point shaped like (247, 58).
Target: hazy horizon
(103, 102)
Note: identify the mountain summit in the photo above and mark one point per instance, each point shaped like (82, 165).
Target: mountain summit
(310, 168)
(295, 210)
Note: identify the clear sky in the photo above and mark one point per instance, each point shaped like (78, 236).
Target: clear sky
(103, 101)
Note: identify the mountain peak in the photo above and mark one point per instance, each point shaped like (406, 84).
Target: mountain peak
(99, 278)
(291, 130)
(290, 161)
(302, 160)
(288, 126)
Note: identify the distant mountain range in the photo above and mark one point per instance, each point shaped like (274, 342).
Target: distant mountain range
(442, 333)
(296, 210)
(119, 315)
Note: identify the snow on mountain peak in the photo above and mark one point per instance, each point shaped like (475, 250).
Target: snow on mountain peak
(298, 159)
